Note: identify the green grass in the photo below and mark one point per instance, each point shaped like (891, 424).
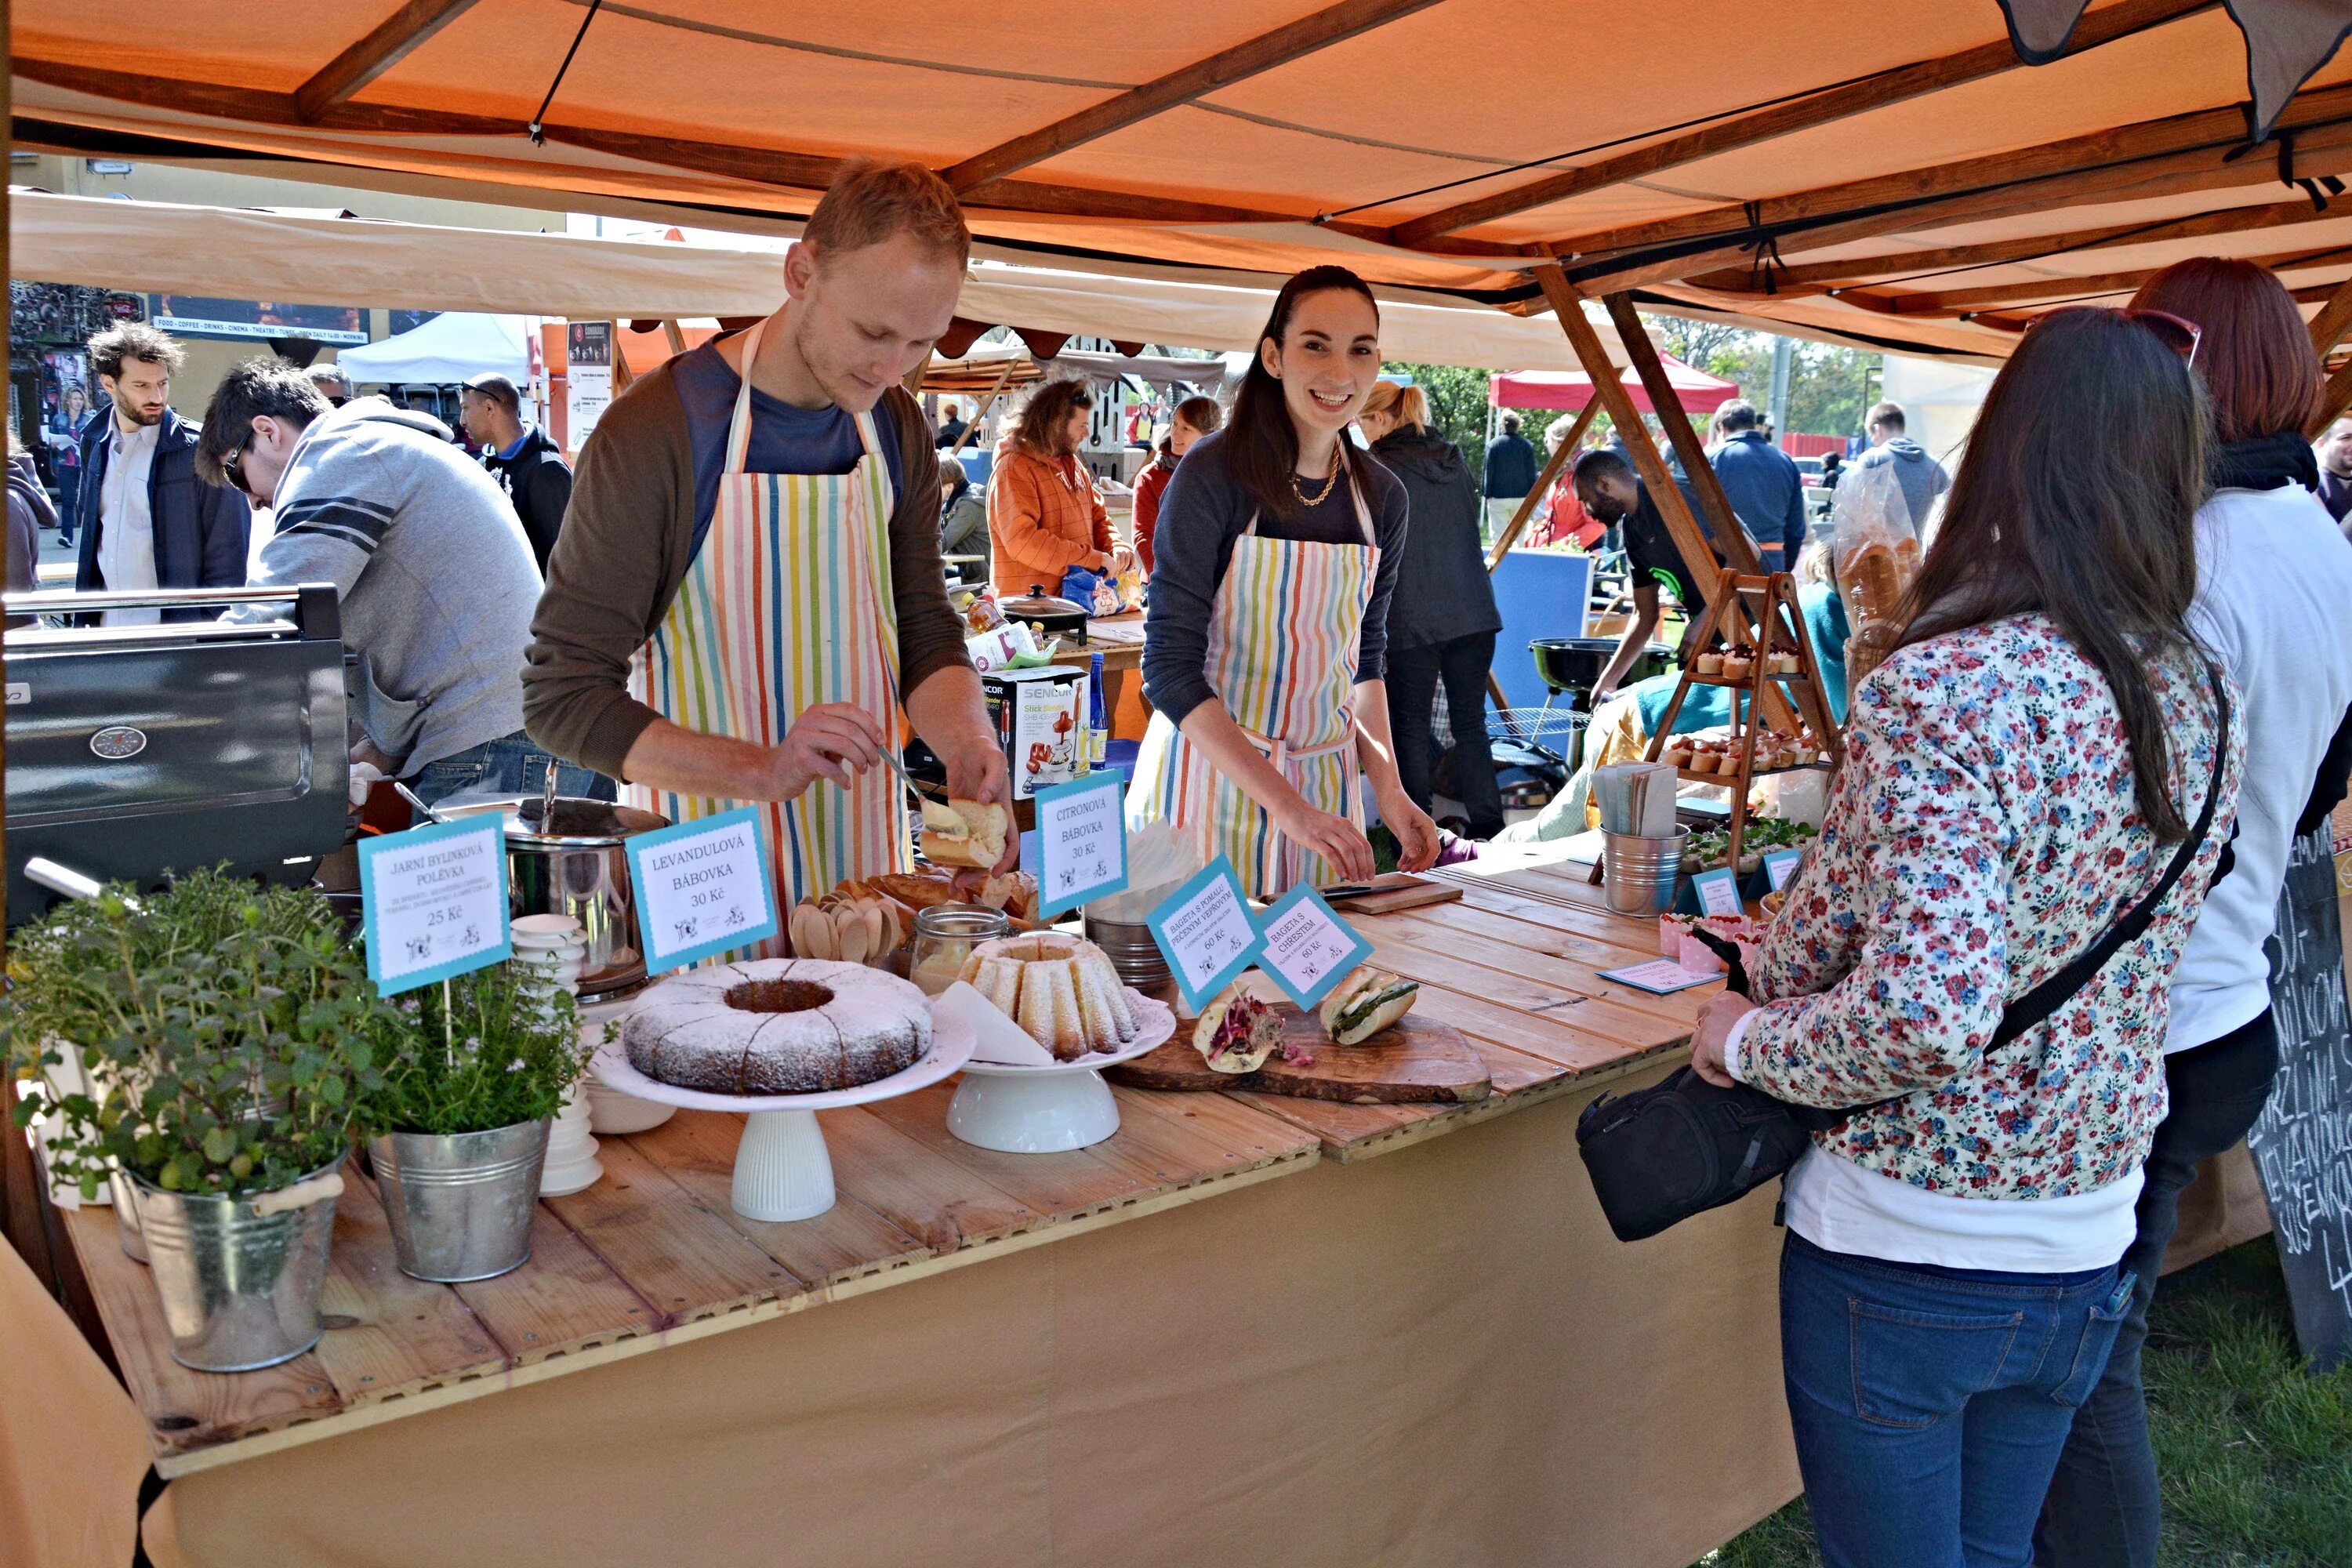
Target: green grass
(2256, 1454)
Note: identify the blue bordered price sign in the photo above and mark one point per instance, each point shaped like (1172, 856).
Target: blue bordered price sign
(1205, 932)
(703, 889)
(1780, 865)
(1717, 891)
(1081, 843)
(433, 902)
(1306, 948)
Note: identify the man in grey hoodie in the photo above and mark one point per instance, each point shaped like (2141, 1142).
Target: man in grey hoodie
(1923, 478)
(434, 572)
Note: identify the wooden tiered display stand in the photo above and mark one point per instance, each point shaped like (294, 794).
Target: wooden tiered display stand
(1763, 621)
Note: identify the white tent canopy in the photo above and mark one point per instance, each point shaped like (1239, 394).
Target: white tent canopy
(234, 253)
(448, 348)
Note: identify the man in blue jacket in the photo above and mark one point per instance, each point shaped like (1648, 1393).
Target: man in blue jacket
(150, 521)
(1763, 483)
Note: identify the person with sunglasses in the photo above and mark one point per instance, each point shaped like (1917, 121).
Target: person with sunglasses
(2274, 607)
(432, 567)
(2046, 748)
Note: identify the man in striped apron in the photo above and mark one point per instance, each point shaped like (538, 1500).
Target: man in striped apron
(747, 588)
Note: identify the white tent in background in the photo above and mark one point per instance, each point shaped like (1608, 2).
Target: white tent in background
(448, 348)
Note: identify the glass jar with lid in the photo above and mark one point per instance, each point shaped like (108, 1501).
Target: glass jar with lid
(945, 936)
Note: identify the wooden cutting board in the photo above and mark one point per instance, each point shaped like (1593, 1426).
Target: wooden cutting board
(1399, 890)
(1416, 1061)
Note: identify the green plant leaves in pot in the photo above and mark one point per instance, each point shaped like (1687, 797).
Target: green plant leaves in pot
(484, 1051)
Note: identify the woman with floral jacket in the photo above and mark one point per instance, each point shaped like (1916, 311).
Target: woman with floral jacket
(2019, 775)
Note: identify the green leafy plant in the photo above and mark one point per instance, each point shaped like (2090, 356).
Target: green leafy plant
(215, 1039)
(488, 1049)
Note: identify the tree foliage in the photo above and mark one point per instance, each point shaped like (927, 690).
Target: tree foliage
(1830, 389)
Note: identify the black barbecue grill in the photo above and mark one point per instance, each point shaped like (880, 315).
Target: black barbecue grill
(135, 751)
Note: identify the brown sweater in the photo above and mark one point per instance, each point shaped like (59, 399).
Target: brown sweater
(626, 545)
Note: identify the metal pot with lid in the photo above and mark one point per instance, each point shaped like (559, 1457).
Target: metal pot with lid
(566, 856)
(1048, 614)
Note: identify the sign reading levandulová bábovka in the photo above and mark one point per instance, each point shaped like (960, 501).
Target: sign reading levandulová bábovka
(2302, 1142)
(433, 902)
(702, 888)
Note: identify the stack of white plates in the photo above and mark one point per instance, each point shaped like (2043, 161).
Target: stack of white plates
(556, 946)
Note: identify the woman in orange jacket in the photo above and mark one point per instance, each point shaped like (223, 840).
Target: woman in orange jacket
(1044, 515)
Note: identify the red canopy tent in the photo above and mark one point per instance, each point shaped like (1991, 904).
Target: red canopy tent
(1699, 392)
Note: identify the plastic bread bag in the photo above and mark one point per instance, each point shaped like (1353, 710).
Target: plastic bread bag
(1875, 542)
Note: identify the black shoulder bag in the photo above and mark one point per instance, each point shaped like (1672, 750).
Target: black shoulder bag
(1660, 1154)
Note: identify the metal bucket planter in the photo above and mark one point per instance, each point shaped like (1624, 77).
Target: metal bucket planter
(125, 1198)
(461, 1204)
(240, 1277)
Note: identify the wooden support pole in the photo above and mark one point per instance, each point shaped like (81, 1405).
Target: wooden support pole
(1731, 538)
(2335, 318)
(2333, 399)
(676, 336)
(1561, 457)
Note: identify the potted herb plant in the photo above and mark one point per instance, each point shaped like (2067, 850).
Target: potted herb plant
(210, 1043)
(474, 1071)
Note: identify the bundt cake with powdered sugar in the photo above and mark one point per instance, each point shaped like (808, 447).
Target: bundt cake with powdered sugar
(778, 1026)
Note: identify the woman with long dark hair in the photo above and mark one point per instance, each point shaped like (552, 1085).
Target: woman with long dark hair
(2274, 607)
(1264, 653)
(2019, 774)
(1443, 630)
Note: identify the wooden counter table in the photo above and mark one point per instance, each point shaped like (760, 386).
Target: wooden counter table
(1310, 1353)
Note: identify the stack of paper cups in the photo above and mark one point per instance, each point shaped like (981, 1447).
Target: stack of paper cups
(553, 947)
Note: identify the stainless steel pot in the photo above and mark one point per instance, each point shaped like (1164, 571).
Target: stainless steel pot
(574, 864)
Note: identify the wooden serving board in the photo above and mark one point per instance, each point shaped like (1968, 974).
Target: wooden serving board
(1416, 1061)
(1399, 890)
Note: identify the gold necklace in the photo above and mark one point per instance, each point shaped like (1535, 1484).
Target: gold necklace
(1318, 499)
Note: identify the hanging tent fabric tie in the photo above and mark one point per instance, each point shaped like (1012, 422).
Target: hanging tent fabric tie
(1763, 248)
(538, 120)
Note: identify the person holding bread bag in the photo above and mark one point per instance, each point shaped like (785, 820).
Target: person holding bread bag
(1277, 553)
(747, 585)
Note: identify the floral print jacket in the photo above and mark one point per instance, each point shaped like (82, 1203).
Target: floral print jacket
(1981, 834)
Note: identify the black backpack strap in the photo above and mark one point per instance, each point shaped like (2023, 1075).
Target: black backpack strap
(2054, 992)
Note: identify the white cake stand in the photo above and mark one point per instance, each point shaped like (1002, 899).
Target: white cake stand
(783, 1169)
(1057, 1106)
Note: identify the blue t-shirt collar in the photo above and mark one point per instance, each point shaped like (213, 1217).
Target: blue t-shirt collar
(509, 454)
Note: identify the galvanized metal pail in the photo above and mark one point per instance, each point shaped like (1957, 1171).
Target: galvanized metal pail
(240, 1277)
(125, 1199)
(1638, 873)
(461, 1204)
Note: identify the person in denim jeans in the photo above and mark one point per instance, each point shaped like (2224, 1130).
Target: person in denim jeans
(2019, 772)
(507, 765)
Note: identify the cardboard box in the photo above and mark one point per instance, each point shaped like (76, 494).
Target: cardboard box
(1040, 716)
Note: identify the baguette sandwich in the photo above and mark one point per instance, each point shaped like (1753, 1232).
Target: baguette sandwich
(964, 833)
(1368, 1001)
(1236, 1032)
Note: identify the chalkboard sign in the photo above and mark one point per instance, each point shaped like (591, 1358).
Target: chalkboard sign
(2302, 1144)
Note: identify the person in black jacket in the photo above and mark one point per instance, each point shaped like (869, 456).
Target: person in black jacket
(527, 466)
(152, 523)
(1441, 627)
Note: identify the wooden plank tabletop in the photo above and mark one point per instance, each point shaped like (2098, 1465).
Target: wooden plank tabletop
(652, 1254)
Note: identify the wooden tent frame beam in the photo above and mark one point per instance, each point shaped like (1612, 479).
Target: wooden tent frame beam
(2335, 318)
(388, 43)
(2175, 155)
(1292, 41)
(1838, 277)
(1961, 301)
(1832, 103)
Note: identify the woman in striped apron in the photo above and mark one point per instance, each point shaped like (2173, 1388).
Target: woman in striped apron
(1277, 550)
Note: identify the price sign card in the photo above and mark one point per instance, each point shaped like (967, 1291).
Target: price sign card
(1205, 932)
(1308, 950)
(1780, 865)
(702, 888)
(1660, 977)
(1081, 843)
(433, 902)
(1717, 891)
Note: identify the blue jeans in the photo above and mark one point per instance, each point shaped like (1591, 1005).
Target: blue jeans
(507, 765)
(1930, 1404)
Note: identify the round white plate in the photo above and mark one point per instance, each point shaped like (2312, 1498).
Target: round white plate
(951, 1044)
(1158, 1026)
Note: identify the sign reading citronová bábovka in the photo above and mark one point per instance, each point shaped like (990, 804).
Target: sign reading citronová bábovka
(2302, 1142)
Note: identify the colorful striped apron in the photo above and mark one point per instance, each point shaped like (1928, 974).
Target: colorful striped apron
(784, 608)
(1282, 659)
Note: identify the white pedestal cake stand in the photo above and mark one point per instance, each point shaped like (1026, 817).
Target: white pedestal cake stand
(783, 1169)
(1050, 1107)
